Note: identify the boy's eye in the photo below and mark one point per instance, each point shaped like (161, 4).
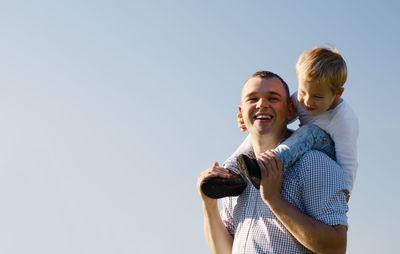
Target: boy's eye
(274, 99)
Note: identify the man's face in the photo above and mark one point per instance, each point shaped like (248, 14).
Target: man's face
(264, 106)
(317, 98)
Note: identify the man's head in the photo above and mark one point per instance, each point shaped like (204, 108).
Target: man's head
(265, 104)
(321, 73)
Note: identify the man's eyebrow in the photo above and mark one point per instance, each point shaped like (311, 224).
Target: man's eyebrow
(250, 94)
(275, 93)
(269, 92)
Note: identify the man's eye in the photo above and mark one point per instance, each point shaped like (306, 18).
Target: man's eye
(252, 99)
(274, 99)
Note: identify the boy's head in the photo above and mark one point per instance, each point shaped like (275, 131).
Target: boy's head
(321, 73)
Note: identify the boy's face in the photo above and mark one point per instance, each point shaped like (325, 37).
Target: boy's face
(317, 98)
(264, 106)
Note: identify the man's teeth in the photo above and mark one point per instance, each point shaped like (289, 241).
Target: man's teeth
(266, 117)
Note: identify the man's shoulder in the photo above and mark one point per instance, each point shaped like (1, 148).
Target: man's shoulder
(319, 169)
(316, 162)
(315, 156)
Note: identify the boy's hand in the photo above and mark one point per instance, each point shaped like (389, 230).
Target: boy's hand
(241, 125)
(271, 176)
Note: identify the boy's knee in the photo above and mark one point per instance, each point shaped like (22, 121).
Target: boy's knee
(311, 127)
(314, 130)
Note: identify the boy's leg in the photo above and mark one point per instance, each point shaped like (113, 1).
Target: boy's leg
(307, 137)
(218, 187)
(245, 148)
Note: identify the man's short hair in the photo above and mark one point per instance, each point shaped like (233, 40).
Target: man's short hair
(269, 74)
(323, 66)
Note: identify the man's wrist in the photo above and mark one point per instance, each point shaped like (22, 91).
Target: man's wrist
(209, 203)
(274, 202)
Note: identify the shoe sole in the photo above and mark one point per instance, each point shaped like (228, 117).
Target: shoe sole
(249, 167)
(218, 187)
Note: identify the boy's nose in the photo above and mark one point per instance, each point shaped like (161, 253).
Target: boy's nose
(307, 101)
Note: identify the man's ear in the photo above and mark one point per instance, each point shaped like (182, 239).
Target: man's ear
(340, 92)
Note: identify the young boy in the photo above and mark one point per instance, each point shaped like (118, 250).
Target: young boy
(318, 104)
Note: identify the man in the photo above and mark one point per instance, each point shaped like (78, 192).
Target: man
(302, 211)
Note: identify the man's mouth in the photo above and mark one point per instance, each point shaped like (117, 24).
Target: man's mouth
(263, 117)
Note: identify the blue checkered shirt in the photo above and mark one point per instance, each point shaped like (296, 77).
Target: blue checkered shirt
(315, 185)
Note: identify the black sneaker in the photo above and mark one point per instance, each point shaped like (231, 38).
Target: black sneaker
(218, 187)
(249, 167)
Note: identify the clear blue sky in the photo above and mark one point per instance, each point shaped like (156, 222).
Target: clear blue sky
(109, 111)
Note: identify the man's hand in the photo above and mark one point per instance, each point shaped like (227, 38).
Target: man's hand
(214, 171)
(241, 124)
(271, 176)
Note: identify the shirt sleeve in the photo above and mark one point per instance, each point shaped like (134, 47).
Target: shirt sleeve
(323, 188)
(345, 137)
(227, 215)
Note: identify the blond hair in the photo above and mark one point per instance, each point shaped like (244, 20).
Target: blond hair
(322, 65)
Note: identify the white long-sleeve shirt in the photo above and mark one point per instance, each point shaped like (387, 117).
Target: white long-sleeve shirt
(341, 123)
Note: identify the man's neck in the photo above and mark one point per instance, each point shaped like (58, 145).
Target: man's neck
(262, 143)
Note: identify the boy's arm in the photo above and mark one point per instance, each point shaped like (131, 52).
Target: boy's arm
(310, 232)
(345, 138)
(217, 236)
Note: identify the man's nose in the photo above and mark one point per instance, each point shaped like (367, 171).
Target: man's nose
(262, 103)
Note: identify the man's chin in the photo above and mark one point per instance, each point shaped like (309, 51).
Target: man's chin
(262, 130)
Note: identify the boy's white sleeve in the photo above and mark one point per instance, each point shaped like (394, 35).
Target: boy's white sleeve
(345, 137)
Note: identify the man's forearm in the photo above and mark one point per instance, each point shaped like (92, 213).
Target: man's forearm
(313, 234)
(217, 236)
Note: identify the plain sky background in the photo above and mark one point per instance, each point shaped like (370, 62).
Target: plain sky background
(109, 110)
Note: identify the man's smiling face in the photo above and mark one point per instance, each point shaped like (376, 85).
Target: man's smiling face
(264, 106)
